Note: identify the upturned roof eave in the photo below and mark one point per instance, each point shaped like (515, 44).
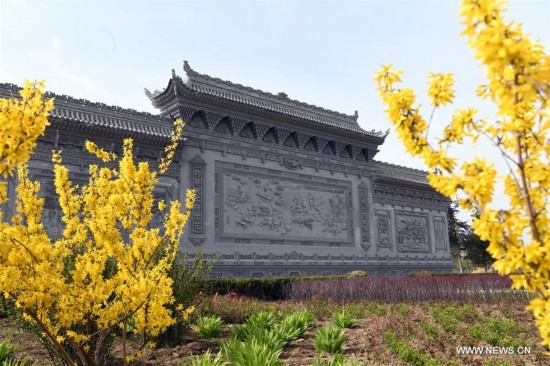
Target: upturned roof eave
(167, 96)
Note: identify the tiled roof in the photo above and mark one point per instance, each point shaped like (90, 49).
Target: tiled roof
(393, 172)
(279, 103)
(95, 114)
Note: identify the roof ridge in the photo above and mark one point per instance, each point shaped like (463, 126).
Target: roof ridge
(87, 103)
(400, 167)
(280, 96)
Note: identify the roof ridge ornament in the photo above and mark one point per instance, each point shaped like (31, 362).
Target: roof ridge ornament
(186, 67)
(356, 116)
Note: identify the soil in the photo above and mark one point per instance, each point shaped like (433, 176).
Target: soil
(365, 342)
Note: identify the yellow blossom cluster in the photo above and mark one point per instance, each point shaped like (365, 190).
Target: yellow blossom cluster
(170, 149)
(21, 122)
(518, 83)
(108, 269)
(441, 89)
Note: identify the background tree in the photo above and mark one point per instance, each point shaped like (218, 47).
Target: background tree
(476, 251)
(458, 234)
(518, 84)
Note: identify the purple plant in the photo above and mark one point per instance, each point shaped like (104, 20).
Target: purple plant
(472, 288)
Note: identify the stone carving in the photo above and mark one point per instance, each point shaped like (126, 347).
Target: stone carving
(197, 183)
(292, 163)
(261, 205)
(440, 231)
(197, 241)
(363, 208)
(384, 230)
(412, 233)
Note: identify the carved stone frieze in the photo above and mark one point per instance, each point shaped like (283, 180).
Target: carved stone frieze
(384, 230)
(441, 236)
(258, 205)
(364, 213)
(291, 163)
(412, 231)
(197, 165)
(197, 241)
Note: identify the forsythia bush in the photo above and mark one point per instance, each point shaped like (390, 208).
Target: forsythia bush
(518, 83)
(21, 122)
(108, 270)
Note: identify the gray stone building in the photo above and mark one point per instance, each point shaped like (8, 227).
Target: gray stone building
(284, 188)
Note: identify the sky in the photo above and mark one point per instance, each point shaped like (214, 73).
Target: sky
(324, 53)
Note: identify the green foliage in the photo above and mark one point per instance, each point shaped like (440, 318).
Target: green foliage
(251, 353)
(261, 288)
(329, 339)
(207, 360)
(401, 308)
(337, 360)
(208, 326)
(378, 309)
(12, 362)
(430, 329)
(446, 317)
(407, 353)
(497, 332)
(476, 331)
(358, 274)
(343, 320)
(189, 278)
(262, 320)
(476, 251)
(6, 350)
(421, 273)
(295, 324)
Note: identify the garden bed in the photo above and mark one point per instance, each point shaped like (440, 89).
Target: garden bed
(396, 334)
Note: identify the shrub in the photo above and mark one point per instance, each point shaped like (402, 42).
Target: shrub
(189, 278)
(251, 353)
(276, 288)
(329, 339)
(485, 288)
(357, 274)
(209, 327)
(421, 273)
(343, 320)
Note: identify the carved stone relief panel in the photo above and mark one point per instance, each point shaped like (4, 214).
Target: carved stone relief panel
(364, 211)
(384, 230)
(265, 205)
(412, 232)
(197, 165)
(441, 234)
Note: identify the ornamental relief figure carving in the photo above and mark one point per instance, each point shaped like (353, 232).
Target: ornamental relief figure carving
(266, 206)
(412, 234)
(384, 230)
(439, 228)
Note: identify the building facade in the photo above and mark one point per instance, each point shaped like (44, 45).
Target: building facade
(284, 188)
